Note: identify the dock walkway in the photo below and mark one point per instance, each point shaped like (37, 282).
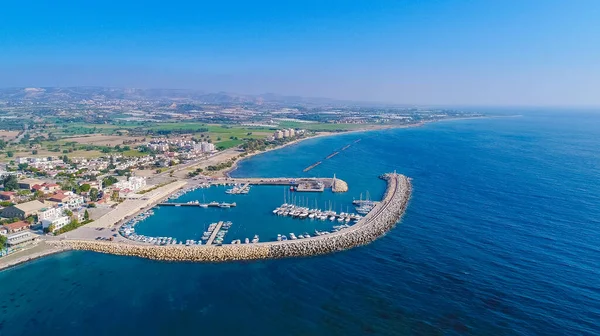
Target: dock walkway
(201, 205)
(213, 235)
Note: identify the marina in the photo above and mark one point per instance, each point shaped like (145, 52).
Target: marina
(376, 223)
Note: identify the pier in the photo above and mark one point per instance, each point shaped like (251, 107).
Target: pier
(384, 216)
(201, 205)
(213, 235)
(317, 184)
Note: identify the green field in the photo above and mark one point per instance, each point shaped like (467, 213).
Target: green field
(229, 143)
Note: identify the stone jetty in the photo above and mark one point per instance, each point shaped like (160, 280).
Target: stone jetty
(376, 223)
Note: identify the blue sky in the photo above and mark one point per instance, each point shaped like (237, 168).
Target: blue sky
(491, 52)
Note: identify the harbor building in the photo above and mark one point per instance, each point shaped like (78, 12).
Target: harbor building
(23, 210)
(19, 238)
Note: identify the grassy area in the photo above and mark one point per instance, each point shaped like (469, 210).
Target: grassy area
(133, 153)
(229, 143)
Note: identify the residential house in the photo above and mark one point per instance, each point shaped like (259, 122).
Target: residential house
(7, 195)
(68, 199)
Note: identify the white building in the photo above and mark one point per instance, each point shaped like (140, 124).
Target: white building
(49, 214)
(74, 202)
(20, 160)
(19, 238)
(286, 133)
(207, 147)
(58, 222)
(134, 183)
(292, 132)
(278, 135)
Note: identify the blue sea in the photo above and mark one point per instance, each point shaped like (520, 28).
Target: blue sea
(501, 237)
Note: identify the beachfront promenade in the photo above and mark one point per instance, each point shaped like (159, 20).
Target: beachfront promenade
(130, 207)
(375, 224)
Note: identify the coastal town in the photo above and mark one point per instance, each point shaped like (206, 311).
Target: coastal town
(90, 166)
(50, 196)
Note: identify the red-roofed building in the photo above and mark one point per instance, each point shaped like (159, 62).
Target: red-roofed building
(7, 195)
(17, 226)
(52, 187)
(46, 187)
(58, 197)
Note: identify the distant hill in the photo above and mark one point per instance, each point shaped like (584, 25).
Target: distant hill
(74, 94)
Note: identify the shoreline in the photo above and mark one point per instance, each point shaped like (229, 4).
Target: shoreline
(227, 172)
(27, 257)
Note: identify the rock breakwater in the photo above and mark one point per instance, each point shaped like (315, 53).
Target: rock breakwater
(375, 224)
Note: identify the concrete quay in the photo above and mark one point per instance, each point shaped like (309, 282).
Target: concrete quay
(375, 224)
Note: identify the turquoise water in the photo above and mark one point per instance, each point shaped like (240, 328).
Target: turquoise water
(500, 238)
(253, 214)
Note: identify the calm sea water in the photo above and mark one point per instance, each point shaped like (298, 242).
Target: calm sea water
(501, 238)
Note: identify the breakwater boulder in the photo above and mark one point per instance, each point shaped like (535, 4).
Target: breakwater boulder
(376, 223)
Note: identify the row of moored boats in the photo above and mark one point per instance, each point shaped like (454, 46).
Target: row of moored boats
(295, 211)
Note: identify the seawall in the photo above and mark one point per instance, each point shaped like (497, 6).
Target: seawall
(374, 225)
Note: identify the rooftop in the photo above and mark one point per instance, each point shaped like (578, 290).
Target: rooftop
(17, 225)
(30, 206)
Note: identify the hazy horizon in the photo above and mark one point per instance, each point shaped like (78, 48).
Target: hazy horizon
(455, 53)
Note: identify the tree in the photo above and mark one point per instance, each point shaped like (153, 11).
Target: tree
(108, 181)
(68, 212)
(85, 187)
(86, 215)
(38, 194)
(2, 241)
(50, 228)
(11, 183)
(10, 154)
(34, 152)
(94, 194)
(115, 196)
